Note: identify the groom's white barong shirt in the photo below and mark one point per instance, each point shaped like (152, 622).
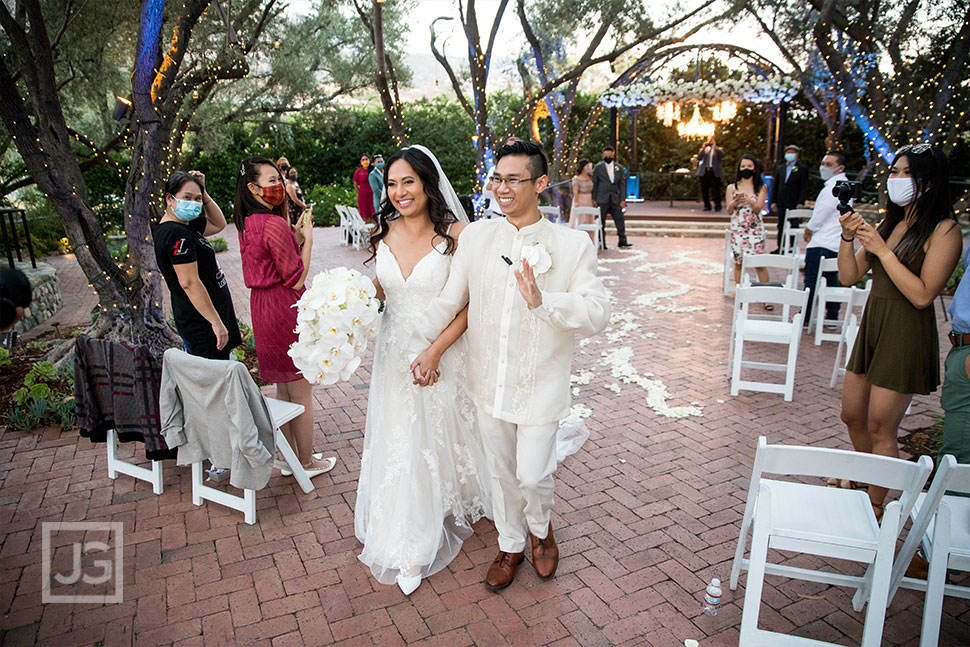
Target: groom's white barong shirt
(521, 374)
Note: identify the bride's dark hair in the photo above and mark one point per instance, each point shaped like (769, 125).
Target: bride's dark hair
(438, 211)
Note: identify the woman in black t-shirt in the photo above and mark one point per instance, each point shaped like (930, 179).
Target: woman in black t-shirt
(201, 302)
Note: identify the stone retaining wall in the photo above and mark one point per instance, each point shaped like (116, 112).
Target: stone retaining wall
(46, 295)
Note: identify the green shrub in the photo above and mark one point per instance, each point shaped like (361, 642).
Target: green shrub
(325, 198)
(44, 399)
(4, 357)
(218, 244)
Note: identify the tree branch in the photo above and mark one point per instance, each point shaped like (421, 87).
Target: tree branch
(455, 84)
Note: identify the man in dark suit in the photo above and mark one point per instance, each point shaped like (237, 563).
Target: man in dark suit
(788, 189)
(609, 193)
(709, 172)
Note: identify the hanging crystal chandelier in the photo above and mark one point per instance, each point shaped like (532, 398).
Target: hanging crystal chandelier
(668, 113)
(696, 127)
(725, 111)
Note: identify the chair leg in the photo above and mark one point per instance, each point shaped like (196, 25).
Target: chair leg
(249, 501)
(936, 580)
(197, 483)
(838, 363)
(295, 466)
(736, 366)
(756, 571)
(739, 551)
(881, 574)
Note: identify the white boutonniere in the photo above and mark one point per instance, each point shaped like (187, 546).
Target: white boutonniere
(537, 256)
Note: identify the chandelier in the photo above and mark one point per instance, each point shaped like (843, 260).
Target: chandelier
(668, 113)
(725, 111)
(696, 127)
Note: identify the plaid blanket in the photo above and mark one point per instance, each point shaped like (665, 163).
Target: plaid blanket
(116, 386)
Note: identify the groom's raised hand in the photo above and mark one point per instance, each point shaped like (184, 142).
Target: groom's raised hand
(527, 286)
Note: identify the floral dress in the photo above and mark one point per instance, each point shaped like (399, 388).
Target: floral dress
(747, 232)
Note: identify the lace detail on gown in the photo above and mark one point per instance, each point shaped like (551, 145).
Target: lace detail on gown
(423, 477)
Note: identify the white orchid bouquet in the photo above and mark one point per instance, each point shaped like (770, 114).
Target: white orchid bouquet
(336, 317)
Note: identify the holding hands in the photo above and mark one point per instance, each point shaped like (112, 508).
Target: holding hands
(424, 368)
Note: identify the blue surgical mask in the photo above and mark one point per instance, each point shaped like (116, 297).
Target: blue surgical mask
(790, 157)
(186, 210)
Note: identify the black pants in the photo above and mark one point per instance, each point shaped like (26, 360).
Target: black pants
(813, 260)
(613, 208)
(711, 190)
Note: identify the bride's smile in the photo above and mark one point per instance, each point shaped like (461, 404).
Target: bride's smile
(405, 189)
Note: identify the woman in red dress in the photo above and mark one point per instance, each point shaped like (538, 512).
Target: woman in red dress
(365, 196)
(275, 269)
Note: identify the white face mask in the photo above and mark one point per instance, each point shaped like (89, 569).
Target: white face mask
(826, 173)
(902, 190)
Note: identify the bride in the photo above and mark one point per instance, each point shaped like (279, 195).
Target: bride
(423, 476)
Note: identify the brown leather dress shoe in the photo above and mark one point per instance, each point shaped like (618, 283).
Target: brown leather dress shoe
(502, 571)
(545, 555)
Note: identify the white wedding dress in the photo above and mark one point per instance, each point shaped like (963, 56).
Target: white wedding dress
(423, 476)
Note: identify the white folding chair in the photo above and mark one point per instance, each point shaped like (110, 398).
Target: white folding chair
(280, 412)
(117, 465)
(345, 224)
(596, 226)
(850, 330)
(793, 238)
(729, 284)
(829, 522)
(361, 229)
(551, 213)
(825, 294)
(747, 329)
(941, 524)
(752, 262)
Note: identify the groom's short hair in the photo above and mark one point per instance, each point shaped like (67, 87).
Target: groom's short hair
(538, 165)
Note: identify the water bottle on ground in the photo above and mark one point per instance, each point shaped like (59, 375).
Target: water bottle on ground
(712, 597)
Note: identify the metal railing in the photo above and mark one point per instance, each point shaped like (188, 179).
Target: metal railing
(11, 240)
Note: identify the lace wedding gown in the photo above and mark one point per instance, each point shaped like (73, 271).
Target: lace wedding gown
(423, 476)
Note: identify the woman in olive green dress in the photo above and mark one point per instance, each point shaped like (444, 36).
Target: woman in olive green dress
(911, 254)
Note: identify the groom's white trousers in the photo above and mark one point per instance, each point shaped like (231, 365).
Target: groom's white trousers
(522, 459)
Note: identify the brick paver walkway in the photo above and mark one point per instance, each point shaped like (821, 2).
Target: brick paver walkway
(646, 513)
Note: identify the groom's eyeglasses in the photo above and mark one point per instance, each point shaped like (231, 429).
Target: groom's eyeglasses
(512, 182)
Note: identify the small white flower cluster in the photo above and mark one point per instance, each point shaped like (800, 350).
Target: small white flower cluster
(618, 359)
(336, 317)
(753, 89)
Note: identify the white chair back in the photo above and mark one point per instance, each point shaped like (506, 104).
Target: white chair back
(596, 226)
(789, 264)
(826, 522)
(941, 524)
(784, 329)
(551, 213)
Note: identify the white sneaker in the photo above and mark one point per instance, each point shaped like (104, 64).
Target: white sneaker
(408, 583)
(288, 472)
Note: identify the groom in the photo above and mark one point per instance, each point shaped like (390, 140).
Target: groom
(523, 316)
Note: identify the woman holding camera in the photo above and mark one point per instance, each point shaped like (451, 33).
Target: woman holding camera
(911, 253)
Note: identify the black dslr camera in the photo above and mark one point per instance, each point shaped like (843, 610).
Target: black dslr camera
(846, 190)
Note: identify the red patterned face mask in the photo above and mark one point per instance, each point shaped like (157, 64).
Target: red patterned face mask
(273, 194)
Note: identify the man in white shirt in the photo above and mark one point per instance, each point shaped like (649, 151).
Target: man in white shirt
(523, 316)
(823, 231)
